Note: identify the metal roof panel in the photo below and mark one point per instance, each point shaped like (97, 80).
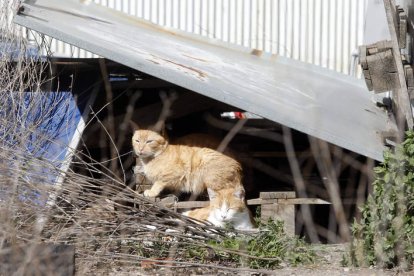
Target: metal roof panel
(322, 103)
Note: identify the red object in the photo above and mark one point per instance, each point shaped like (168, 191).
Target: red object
(239, 115)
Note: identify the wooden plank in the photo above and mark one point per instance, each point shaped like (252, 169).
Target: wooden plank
(379, 62)
(200, 204)
(259, 201)
(410, 80)
(287, 201)
(401, 27)
(187, 204)
(255, 201)
(272, 195)
(295, 201)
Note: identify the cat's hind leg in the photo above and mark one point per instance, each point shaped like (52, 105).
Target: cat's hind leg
(186, 213)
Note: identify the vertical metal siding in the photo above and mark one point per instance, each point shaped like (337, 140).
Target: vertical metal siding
(322, 32)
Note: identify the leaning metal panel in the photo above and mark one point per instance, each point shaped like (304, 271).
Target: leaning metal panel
(316, 101)
(322, 32)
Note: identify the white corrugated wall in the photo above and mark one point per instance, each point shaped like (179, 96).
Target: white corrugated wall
(322, 32)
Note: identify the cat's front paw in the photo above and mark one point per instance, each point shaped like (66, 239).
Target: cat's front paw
(149, 193)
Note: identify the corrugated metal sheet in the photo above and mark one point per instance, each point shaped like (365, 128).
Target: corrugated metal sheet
(321, 32)
(316, 101)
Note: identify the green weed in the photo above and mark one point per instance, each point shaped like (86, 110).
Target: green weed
(268, 249)
(385, 235)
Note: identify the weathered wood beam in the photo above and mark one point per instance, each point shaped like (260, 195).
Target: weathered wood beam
(255, 201)
(401, 94)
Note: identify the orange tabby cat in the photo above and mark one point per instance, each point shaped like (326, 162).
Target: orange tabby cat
(182, 168)
(226, 206)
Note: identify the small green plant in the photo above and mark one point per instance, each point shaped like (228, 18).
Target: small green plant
(268, 249)
(277, 244)
(385, 235)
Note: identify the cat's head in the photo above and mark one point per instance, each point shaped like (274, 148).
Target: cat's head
(148, 143)
(227, 204)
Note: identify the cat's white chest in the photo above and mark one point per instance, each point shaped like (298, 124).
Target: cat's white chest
(144, 170)
(139, 169)
(148, 172)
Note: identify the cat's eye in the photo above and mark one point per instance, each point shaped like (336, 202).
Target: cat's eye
(137, 141)
(150, 141)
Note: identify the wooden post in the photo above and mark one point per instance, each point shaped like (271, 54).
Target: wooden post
(283, 212)
(402, 100)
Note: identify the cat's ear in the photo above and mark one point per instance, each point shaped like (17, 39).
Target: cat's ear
(161, 129)
(163, 133)
(211, 194)
(134, 126)
(239, 193)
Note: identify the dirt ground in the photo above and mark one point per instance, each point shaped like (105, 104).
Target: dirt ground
(329, 265)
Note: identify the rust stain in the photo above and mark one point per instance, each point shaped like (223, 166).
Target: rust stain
(369, 111)
(256, 52)
(153, 61)
(200, 73)
(199, 59)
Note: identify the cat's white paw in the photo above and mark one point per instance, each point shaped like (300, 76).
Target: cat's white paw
(149, 193)
(185, 213)
(250, 229)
